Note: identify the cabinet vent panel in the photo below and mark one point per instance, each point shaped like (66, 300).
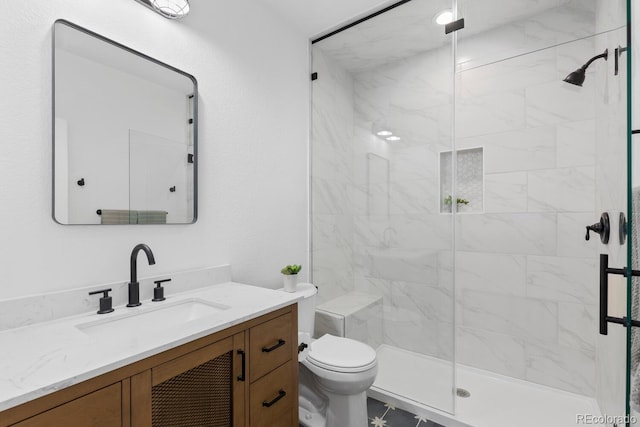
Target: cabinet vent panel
(199, 397)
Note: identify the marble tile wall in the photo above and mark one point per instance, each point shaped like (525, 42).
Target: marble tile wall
(526, 283)
(525, 279)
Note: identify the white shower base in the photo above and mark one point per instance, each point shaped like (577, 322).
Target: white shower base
(419, 384)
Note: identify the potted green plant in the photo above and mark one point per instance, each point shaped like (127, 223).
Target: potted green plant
(448, 201)
(290, 277)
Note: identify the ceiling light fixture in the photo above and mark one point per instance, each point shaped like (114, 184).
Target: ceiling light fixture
(384, 133)
(393, 138)
(170, 9)
(444, 17)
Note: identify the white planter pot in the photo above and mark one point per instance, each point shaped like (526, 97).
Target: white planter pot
(290, 282)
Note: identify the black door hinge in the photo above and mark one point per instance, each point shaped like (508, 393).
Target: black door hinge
(189, 158)
(314, 76)
(454, 26)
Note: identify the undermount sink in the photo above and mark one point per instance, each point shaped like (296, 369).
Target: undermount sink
(152, 320)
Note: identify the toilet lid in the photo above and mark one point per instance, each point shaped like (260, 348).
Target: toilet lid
(341, 354)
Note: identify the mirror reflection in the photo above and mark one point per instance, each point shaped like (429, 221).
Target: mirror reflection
(124, 134)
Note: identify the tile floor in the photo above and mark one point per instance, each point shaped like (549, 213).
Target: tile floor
(386, 415)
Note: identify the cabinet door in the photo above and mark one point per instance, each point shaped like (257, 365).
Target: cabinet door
(196, 389)
(102, 408)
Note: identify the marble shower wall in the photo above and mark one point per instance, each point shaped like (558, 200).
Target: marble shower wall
(526, 279)
(525, 276)
(526, 289)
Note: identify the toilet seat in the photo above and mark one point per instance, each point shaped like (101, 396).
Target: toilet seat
(340, 354)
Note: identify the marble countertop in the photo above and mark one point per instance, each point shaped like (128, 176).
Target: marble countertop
(43, 358)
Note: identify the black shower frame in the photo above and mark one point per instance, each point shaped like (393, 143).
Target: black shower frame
(359, 21)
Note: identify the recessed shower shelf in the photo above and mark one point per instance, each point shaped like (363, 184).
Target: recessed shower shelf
(469, 183)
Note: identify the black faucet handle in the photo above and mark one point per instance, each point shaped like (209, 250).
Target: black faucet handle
(106, 302)
(158, 291)
(602, 228)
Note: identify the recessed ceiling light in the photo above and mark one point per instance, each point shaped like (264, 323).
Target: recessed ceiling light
(393, 138)
(384, 133)
(444, 17)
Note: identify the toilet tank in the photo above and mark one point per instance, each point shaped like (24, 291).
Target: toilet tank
(306, 307)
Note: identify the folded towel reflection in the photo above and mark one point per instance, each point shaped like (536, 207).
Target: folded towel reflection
(152, 217)
(123, 216)
(118, 216)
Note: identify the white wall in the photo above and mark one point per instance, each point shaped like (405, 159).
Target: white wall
(253, 75)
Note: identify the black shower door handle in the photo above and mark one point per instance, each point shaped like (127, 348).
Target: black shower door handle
(605, 319)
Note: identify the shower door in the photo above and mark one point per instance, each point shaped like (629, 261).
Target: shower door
(381, 185)
(551, 156)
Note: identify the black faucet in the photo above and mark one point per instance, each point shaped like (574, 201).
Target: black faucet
(134, 286)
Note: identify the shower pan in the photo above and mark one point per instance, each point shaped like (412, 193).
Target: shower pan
(452, 176)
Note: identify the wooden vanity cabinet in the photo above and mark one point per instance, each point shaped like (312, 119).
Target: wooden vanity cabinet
(245, 375)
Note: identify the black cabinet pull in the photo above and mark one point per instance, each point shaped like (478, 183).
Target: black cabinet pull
(280, 395)
(280, 343)
(242, 377)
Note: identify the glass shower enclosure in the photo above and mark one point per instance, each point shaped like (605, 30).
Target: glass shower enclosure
(452, 177)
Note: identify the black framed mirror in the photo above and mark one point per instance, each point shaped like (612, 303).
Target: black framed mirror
(124, 134)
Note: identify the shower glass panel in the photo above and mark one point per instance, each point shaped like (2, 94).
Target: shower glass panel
(382, 222)
(553, 155)
(452, 177)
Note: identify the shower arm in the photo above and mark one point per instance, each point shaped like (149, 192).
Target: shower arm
(604, 55)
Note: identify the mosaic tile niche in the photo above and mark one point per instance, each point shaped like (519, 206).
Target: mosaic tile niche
(470, 181)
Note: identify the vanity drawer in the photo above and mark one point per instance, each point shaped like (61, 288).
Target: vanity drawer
(271, 399)
(270, 345)
(102, 408)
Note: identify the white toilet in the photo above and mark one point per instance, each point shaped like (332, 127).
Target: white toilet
(335, 373)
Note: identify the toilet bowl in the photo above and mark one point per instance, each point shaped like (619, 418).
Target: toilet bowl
(335, 373)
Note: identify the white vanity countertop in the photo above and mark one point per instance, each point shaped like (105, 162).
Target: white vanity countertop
(40, 359)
